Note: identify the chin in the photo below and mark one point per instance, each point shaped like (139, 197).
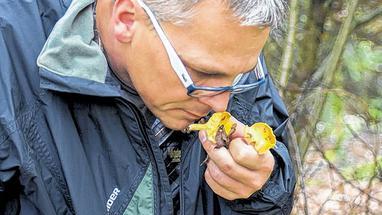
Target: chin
(176, 124)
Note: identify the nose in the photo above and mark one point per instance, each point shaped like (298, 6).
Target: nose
(218, 103)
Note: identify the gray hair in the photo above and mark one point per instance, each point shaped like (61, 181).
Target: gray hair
(251, 12)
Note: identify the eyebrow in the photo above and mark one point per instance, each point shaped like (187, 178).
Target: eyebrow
(212, 72)
(197, 69)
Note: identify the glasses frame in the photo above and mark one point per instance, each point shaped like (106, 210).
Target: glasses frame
(181, 71)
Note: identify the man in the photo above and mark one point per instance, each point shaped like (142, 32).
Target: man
(95, 126)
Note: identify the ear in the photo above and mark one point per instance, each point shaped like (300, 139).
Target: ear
(124, 20)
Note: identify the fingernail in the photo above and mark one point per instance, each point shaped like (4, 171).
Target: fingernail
(203, 136)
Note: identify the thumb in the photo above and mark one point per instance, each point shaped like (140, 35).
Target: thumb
(207, 144)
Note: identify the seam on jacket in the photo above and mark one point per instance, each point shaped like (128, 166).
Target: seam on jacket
(11, 126)
(18, 125)
(8, 131)
(65, 4)
(26, 123)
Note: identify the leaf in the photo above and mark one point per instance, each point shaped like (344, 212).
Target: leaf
(363, 171)
(330, 155)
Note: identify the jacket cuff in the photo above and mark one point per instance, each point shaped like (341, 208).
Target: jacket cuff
(276, 195)
(272, 190)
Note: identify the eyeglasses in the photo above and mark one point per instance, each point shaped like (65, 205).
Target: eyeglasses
(181, 71)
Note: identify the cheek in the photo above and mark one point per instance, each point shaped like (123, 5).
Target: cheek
(155, 81)
(151, 72)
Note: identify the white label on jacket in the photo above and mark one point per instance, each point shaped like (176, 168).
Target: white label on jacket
(112, 197)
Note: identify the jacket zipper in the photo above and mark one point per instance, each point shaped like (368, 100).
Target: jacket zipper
(140, 124)
(184, 150)
(143, 131)
(181, 197)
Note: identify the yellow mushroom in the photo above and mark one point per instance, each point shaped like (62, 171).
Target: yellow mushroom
(213, 124)
(259, 135)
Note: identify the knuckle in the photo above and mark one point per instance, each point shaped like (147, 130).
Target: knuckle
(227, 167)
(268, 168)
(231, 198)
(247, 195)
(241, 156)
(207, 177)
(213, 147)
(244, 194)
(214, 173)
(210, 147)
(256, 185)
(235, 141)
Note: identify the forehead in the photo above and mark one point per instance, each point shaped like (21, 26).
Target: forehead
(214, 35)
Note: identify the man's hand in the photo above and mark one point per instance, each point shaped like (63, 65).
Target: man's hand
(236, 172)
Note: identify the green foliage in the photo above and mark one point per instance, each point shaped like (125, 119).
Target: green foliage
(333, 113)
(361, 57)
(331, 155)
(335, 102)
(362, 60)
(334, 129)
(375, 109)
(315, 182)
(363, 171)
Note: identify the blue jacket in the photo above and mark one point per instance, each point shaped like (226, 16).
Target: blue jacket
(73, 140)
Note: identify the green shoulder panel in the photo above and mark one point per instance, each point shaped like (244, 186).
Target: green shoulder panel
(143, 198)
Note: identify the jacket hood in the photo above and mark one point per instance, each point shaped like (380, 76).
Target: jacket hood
(72, 61)
(70, 49)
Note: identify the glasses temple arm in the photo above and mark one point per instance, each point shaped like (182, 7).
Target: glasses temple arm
(175, 62)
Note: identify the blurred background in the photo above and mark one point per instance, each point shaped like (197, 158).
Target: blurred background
(329, 72)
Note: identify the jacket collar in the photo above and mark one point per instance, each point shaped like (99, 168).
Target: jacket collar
(70, 50)
(72, 60)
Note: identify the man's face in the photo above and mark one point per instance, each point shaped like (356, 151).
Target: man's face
(214, 48)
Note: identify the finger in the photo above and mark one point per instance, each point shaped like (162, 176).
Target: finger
(207, 145)
(218, 189)
(223, 159)
(211, 149)
(246, 155)
(227, 182)
(239, 130)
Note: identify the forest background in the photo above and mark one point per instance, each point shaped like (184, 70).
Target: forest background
(330, 77)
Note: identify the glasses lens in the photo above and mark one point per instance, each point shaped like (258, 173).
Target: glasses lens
(204, 93)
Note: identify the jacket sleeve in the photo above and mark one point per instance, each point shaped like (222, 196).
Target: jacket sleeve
(24, 26)
(265, 105)
(11, 147)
